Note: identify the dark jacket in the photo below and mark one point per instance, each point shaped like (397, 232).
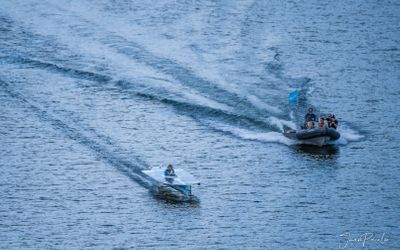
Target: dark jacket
(310, 117)
(332, 122)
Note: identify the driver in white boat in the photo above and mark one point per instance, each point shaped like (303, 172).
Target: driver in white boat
(169, 171)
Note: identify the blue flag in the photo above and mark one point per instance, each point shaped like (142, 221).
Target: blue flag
(293, 97)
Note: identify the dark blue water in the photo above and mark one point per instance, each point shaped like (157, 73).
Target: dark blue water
(93, 92)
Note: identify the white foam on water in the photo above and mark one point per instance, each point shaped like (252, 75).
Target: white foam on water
(310, 91)
(125, 67)
(275, 137)
(205, 65)
(279, 123)
(122, 66)
(291, 115)
(348, 135)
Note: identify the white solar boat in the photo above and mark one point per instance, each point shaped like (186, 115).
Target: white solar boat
(178, 187)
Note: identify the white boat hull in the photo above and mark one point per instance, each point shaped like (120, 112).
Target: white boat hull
(178, 187)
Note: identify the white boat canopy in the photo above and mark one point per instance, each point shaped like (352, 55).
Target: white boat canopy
(181, 178)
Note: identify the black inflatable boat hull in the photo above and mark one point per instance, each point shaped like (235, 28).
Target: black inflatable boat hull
(317, 136)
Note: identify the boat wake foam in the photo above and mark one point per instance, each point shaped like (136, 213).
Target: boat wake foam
(246, 134)
(348, 135)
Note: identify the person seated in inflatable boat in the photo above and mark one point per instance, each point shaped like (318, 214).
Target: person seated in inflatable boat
(310, 125)
(332, 121)
(309, 117)
(321, 123)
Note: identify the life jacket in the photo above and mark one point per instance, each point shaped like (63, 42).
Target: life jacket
(169, 173)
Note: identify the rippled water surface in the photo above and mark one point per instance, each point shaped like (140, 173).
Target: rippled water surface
(93, 92)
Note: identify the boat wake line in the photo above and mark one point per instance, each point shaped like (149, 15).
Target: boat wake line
(225, 121)
(347, 135)
(205, 113)
(100, 145)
